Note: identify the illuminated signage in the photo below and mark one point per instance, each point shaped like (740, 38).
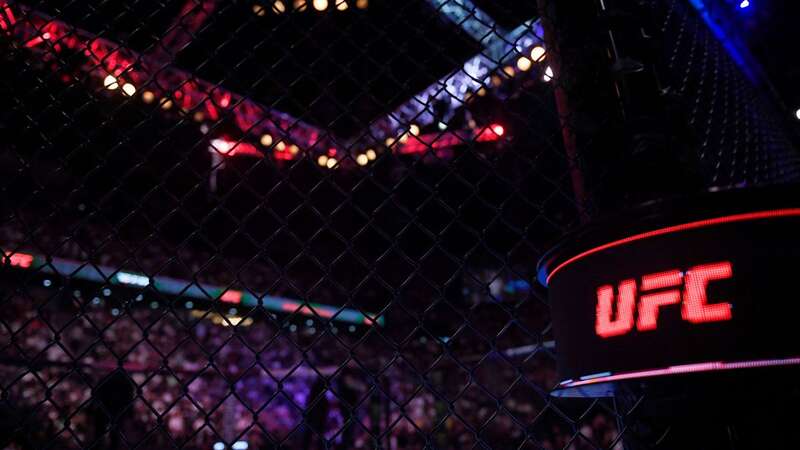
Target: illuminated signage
(615, 313)
(701, 286)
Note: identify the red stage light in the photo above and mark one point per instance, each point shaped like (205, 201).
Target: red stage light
(23, 260)
(498, 129)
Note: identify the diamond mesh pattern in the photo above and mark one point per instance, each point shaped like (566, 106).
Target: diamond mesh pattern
(290, 224)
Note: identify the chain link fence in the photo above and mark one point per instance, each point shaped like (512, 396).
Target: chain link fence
(315, 224)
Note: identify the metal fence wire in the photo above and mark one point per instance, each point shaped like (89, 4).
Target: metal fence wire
(261, 224)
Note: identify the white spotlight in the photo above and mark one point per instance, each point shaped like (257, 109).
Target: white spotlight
(320, 5)
(110, 82)
(538, 53)
(128, 89)
(548, 74)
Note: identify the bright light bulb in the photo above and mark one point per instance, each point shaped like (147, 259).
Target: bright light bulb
(538, 53)
(362, 159)
(322, 160)
(293, 149)
(548, 74)
(797, 114)
(259, 10)
(342, 5)
(371, 155)
(266, 140)
(279, 7)
(148, 97)
(166, 104)
(414, 129)
(110, 82)
(362, 4)
(509, 71)
(331, 163)
(523, 63)
(320, 5)
(280, 146)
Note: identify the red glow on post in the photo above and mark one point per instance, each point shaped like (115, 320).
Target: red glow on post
(771, 214)
(22, 260)
(232, 297)
(605, 326)
(695, 298)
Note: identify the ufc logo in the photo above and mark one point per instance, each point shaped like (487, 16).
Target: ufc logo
(658, 290)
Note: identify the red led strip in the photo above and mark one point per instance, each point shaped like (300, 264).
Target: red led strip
(787, 212)
(684, 368)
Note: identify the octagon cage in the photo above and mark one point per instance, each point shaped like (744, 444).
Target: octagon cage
(277, 224)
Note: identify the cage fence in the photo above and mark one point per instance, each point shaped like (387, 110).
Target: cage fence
(315, 224)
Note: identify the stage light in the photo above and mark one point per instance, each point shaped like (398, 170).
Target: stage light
(509, 71)
(496, 80)
(280, 146)
(498, 129)
(198, 116)
(441, 125)
(128, 89)
(341, 5)
(362, 4)
(293, 149)
(414, 129)
(389, 141)
(47, 283)
(362, 159)
(523, 63)
(320, 5)
(240, 445)
(278, 6)
(797, 114)
(548, 74)
(744, 4)
(148, 97)
(371, 155)
(219, 446)
(538, 53)
(166, 104)
(481, 91)
(110, 82)
(300, 5)
(331, 163)
(259, 10)
(266, 140)
(322, 160)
